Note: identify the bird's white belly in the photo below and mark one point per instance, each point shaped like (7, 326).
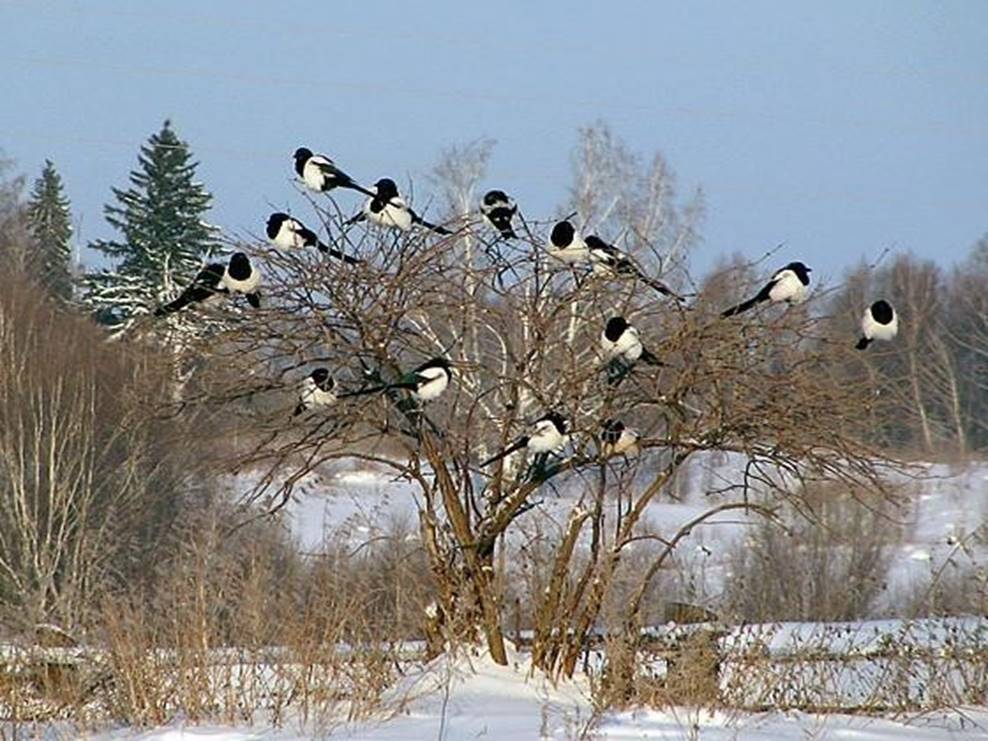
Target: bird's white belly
(243, 286)
(572, 255)
(875, 331)
(432, 388)
(788, 288)
(392, 217)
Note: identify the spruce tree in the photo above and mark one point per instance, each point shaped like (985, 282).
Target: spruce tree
(50, 224)
(164, 237)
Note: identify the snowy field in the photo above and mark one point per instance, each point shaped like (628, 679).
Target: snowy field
(473, 698)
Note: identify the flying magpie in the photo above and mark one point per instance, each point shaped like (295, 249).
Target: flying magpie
(608, 261)
(788, 284)
(498, 209)
(387, 208)
(318, 389)
(321, 174)
(617, 439)
(288, 233)
(216, 281)
(880, 322)
(548, 434)
(566, 244)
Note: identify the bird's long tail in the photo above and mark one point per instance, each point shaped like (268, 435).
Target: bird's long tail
(661, 287)
(170, 308)
(649, 359)
(862, 343)
(353, 185)
(741, 308)
(429, 225)
(518, 444)
(333, 252)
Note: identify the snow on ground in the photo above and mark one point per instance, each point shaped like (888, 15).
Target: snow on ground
(470, 697)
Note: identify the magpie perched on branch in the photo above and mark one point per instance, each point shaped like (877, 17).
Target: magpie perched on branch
(621, 340)
(608, 261)
(288, 233)
(499, 209)
(426, 382)
(880, 322)
(320, 173)
(788, 284)
(387, 208)
(566, 244)
(216, 281)
(617, 439)
(318, 389)
(548, 434)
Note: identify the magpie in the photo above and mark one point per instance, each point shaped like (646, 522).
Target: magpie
(387, 208)
(548, 434)
(242, 277)
(880, 322)
(788, 284)
(217, 280)
(608, 261)
(426, 382)
(321, 174)
(620, 340)
(318, 389)
(566, 244)
(287, 233)
(498, 209)
(616, 439)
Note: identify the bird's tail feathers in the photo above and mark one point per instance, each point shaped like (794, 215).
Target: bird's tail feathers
(740, 308)
(516, 445)
(649, 359)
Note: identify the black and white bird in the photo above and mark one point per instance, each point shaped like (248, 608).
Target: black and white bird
(620, 340)
(617, 439)
(216, 281)
(608, 261)
(387, 208)
(320, 173)
(318, 389)
(566, 244)
(788, 284)
(880, 322)
(288, 233)
(242, 277)
(499, 209)
(547, 435)
(426, 382)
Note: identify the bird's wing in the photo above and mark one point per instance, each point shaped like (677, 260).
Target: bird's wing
(207, 283)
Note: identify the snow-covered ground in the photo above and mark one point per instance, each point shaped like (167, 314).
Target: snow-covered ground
(470, 697)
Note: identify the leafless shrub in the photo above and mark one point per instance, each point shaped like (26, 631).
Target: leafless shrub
(830, 567)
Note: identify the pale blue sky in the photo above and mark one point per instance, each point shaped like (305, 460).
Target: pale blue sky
(838, 127)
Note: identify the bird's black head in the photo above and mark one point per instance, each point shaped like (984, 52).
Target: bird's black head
(386, 189)
(239, 266)
(562, 234)
(302, 154)
(275, 221)
(493, 197)
(436, 362)
(322, 379)
(616, 326)
(802, 272)
(611, 430)
(882, 311)
(558, 421)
